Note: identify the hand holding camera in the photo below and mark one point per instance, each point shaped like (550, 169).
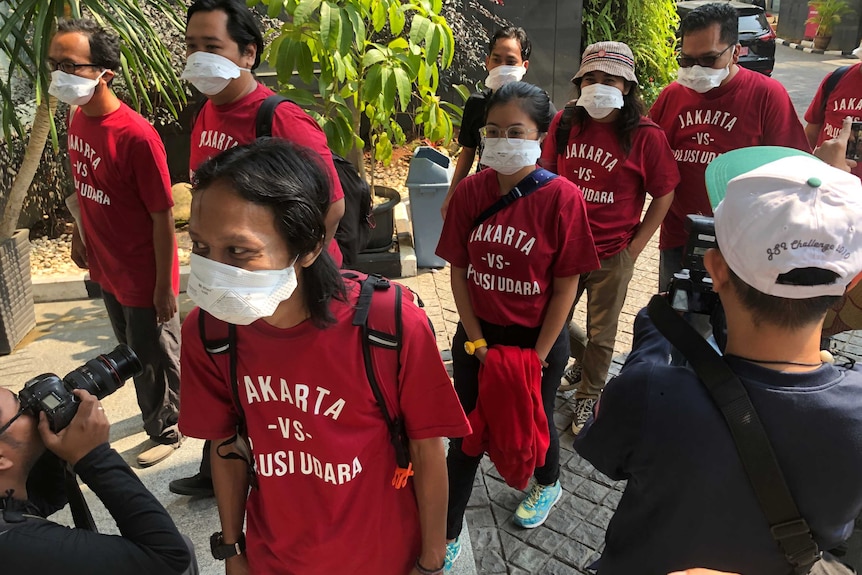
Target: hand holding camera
(88, 429)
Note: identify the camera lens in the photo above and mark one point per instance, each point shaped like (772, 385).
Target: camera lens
(104, 374)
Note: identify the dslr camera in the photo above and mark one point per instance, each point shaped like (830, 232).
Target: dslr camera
(100, 376)
(690, 289)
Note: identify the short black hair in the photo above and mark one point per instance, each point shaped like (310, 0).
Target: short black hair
(242, 26)
(104, 45)
(785, 312)
(534, 101)
(720, 13)
(518, 34)
(290, 180)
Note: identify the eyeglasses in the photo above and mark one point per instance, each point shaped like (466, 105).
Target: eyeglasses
(510, 133)
(14, 417)
(69, 67)
(705, 61)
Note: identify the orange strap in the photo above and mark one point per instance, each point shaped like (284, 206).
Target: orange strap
(401, 476)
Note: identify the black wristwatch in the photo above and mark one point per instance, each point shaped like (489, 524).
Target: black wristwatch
(222, 550)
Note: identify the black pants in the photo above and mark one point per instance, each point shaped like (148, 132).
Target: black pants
(462, 467)
(158, 347)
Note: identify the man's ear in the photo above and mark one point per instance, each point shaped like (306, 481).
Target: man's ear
(717, 268)
(5, 462)
(736, 50)
(526, 64)
(250, 53)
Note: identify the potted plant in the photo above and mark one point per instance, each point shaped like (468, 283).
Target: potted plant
(829, 14)
(26, 29)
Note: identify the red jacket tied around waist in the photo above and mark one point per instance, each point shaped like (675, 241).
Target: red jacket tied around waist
(509, 420)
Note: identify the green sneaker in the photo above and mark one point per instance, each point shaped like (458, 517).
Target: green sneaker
(534, 509)
(453, 550)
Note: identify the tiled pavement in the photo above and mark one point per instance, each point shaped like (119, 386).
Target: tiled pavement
(572, 537)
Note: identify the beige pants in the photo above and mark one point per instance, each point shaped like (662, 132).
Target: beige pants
(606, 290)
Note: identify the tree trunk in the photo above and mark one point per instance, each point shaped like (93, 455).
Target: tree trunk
(32, 158)
(355, 156)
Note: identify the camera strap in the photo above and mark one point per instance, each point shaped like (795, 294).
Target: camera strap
(532, 182)
(788, 527)
(77, 504)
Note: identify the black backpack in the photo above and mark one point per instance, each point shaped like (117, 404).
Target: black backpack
(355, 226)
(377, 347)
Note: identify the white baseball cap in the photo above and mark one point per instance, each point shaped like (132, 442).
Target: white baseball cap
(779, 209)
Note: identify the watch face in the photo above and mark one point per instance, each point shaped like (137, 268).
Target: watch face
(468, 347)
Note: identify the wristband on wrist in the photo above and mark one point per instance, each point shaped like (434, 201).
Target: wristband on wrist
(425, 571)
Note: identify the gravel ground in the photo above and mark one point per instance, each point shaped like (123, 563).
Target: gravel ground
(50, 257)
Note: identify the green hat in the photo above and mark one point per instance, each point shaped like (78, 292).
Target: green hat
(737, 162)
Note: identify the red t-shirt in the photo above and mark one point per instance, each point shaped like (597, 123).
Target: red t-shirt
(513, 257)
(845, 100)
(324, 459)
(614, 184)
(218, 128)
(750, 110)
(120, 171)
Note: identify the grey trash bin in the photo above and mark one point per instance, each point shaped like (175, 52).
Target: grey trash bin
(427, 183)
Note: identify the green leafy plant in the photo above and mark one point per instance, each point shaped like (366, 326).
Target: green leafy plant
(26, 29)
(647, 26)
(375, 58)
(829, 15)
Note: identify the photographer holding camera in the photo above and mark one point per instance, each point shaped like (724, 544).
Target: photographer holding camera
(787, 247)
(149, 542)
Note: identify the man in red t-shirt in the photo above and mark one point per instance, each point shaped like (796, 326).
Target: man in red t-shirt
(123, 189)
(826, 113)
(713, 107)
(224, 45)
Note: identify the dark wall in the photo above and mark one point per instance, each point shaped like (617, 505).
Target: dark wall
(845, 37)
(554, 28)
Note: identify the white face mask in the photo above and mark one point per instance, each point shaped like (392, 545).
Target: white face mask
(701, 79)
(507, 157)
(210, 73)
(71, 89)
(600, 100)
(502, 75)
(858, 52)
(236, 295)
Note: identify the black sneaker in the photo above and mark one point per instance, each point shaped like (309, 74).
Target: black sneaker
(195, 486)
(583, 410)
(571, 377)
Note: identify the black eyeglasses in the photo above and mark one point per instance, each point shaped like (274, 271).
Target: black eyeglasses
(14, 417)
(705, 61)
(68, 67)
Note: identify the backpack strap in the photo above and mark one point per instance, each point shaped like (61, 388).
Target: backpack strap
(788, 527)
(225, 344)
(372, 338)
(263, 119)
(532, 182)
(832, 82)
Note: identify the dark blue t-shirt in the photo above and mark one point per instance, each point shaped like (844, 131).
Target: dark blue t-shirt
(688, 502)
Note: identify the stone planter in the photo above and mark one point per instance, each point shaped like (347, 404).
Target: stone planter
(17, 312)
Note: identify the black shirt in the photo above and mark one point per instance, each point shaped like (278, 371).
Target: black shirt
(150, 543)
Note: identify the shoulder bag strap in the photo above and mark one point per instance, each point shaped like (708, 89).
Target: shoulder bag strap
(263, 119)
(788, 527)
(832, 82)
(535, 180)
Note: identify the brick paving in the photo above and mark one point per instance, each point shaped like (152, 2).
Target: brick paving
(573, 536)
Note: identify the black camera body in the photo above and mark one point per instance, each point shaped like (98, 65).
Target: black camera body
(691, 289)
(100, 376)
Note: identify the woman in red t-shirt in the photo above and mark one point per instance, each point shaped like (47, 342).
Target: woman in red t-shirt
(605, 145)
(283, 360)
(514, 278)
